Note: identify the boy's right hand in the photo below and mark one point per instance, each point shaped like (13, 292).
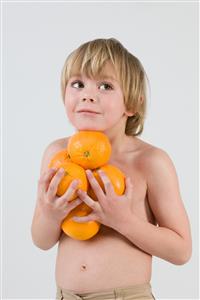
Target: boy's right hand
(54, 207)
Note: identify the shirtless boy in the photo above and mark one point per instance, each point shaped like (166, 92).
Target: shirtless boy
(104, 89)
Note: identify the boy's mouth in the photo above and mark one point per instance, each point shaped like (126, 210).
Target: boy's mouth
(88, 111)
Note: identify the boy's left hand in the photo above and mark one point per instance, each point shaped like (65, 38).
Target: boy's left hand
(110, 209)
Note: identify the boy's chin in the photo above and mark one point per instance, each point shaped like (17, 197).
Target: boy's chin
(91, 127)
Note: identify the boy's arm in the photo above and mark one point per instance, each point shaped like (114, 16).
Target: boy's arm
(171, 239)
(45, 231)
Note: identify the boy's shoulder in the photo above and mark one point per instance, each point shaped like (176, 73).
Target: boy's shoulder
(150, 152)
(59, 144)
(153, 159)
(56, 145)
(147, 151)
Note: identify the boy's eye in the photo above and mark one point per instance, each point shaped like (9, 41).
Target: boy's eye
(103, 85)
(107, 86)
(76, 84)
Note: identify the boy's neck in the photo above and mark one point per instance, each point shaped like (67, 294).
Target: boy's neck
(121, 142)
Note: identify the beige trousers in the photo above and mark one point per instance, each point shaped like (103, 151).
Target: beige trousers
(135, 292)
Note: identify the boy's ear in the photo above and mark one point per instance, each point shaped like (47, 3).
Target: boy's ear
(129, 113)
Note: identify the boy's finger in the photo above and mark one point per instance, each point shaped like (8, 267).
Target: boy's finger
(68, 206)
(88, 218)
(73, 204)
(109, 189)
(53, 186)
(45, 179)
(129, 188)
(85, 198)
(70, 191)
(95, 185)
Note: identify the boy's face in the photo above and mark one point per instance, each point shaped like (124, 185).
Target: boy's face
(95, 104)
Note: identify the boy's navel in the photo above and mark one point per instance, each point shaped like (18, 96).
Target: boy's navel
(83, 267)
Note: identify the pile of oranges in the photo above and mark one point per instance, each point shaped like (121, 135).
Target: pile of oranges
(85, 150)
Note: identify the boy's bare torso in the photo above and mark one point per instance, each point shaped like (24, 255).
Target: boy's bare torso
(109, 259)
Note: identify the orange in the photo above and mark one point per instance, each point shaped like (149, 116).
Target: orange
(72, 172)
(80, 231)
(89, 149)
(59, 158)
(116, 177)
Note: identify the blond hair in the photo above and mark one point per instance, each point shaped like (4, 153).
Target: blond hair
(90, 58)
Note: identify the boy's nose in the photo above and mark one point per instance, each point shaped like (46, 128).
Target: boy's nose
(86, 99)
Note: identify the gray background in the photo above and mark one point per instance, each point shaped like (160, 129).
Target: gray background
(37, 37)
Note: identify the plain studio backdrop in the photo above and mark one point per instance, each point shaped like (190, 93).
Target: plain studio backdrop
(37, 37)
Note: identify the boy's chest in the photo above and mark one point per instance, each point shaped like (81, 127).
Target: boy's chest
(130, 167)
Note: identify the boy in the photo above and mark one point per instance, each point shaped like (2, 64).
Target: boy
(149, 219)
